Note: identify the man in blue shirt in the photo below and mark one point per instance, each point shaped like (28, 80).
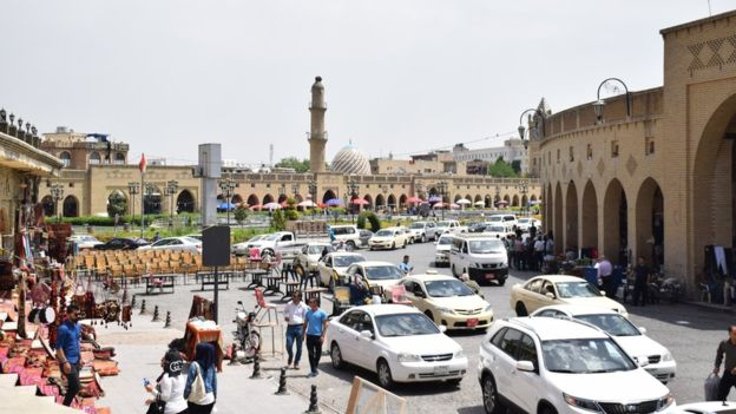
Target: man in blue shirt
(315, 325)
(405, 266)
(67, 352)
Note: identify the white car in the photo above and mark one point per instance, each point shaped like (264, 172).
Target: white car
(551, 365)
(379, 275)
(310, 254)
(524, 223)
(348, 234)
(423, 231)
(446, 226)
(242, 249)
(85, 241)
(397, 342)
(442, 250)
(497, 230)
(333, 267)
(389, 238)
(182, 243)
(632, 339)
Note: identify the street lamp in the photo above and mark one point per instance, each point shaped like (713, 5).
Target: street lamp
(353, 189)
(442, 188)
(171, 188)
(133, 189)
(295, 189)
(599, 103)
(227, 186)
(523, 188)
(522, 129)
(313, 192)
(57, 192)
(497, 198)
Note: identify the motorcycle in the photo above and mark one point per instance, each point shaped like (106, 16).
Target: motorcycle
(247, 338)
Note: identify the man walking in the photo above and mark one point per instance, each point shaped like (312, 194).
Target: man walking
(294, 314)
(641, 279)
(405, 266)
(67, 352)
(315, 326)
(727, 348)
(605, 270)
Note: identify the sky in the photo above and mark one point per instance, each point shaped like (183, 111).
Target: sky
(400, 76)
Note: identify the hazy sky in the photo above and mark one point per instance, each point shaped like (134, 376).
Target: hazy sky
(400, 76)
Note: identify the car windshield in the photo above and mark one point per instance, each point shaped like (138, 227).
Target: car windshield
(345, 261)
(447, 288)
(191, 240)
(495, 218)
(612, 323)
(383, 273)
(318, 249)
(416, 226)
(255, 238)
(486, 246)
(272, 237)
(443, 224)
(384, 233)
(585, 356)
(445, 240)
(405, 324)
(577, 290)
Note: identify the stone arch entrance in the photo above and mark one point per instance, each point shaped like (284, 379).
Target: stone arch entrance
(71, 207)
(650, 222)
(152, 201)
(558, 234)
(253, 200)
(571, 217)
(589, 209)
(236, 199)
(185, 202)
(282, 198)
(402, 201)
(515, 201)
(268, 198)
(488, 201)
(369, 199)
(615, 223)
(391, 201)
(329, 195)
(380, 201)
(524, 202)
(49, 207)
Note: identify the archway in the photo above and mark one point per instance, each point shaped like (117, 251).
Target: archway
(402, 201)
(329, 195)
(650, 223)
(117, 204)
(477, 198)
(391, 201)
(282, 198)
(589, 209)
(380, 201)
(571, 217)
(507, 199)
(515, 201)
(268, 198)
(558, 235)
(524, 202)
(369, 199)
(615, 223)
(185, 202)
(66, 158)
(236, 199)
(152, 202)
(253, 200)
(487, 201)
(71, 207)
(49, 207)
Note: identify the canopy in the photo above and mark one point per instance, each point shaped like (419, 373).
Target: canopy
(334, 202)
(435, 199)
(479, 203)
(439, 205)
(414, 199)
(256, 207)
(502, 202)
(454, 206)
(225, 206)
(463, 201)
(359, 202)
(307, 203)
(272, 206)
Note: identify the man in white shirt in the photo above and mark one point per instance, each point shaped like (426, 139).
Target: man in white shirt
(539, 247)
(294, 313)
(605, 270)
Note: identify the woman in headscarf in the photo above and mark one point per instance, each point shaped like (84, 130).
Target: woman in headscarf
(203, 364)
(170, 387)
(358, 291)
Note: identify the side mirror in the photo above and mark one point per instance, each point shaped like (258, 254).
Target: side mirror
(642, 360)
(550, 295)
(526, 366)
(603, 293)
(443, 328)
(366, 334)
(643, 330)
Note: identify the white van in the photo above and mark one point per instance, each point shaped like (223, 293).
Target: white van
(483, 258)
(509, 220)
(349, 234)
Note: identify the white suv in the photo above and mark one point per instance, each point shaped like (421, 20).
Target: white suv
(348, 234)
(549, 365)
(423, 231)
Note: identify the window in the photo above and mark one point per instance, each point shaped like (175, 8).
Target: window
(498, 337)
(558, 155)
(511, 342)
(614, 149)
(589, 152)
(534, 286)
(649, 146)
(66, 158)
(94, 158)
(527, 351)
(572, 154)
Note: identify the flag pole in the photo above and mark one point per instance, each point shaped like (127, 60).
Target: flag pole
(142, 168)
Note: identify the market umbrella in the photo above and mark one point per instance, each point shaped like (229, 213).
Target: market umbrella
(479, 203)
(502, 203)
(454, 206)
(256, 207)
(307, 203)
(333, 202)
(414, 199)
(272, 206)
(435, 199)
(439, 205)
(359, 202)
(226, 206)
(463, 201)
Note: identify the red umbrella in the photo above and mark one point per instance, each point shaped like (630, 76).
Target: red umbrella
(359, 202)
(256, 207)
(414, 199)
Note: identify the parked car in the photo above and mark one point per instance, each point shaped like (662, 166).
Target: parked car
(348, 234)
(121, 243)
(509, 220)
(448, 301)
(380, 275)
(397, 342)
(476, 227)
(550, 365)
(365, 235)
(84, 241)
(497, 230)
(333, 268)
(243, 248)
(183, 243)
(423, 231)
(447, 226)
(633, 340)
(442, 250)
(389, 238)
(524, 223)
(482, 257)
(548, 290)
(309, 255)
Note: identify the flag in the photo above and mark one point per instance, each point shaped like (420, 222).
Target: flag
(142, 164)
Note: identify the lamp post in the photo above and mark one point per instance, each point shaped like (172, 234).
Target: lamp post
(313, 192)
(497, 198)
(599, 103)
(523, 188)
(522, 129)
(295, 190)
(353, 189)
(442, 188)
(57, 192)
(149, 189)
(227, 186)
(133, 189)
(171, 188)
(384, 190)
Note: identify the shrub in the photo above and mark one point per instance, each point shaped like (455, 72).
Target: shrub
(372, 218)
(292, 215)
(361, 219)
(240, 215)
(278, 221)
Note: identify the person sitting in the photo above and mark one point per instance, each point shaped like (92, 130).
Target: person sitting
(358, 291)
(472, 284)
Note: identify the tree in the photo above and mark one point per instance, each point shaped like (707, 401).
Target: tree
(516, 165)
(240, 215)
(501, 169)
(293, 162)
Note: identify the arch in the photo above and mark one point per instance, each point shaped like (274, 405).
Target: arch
(49, 207)
(380, 201)
(468, 197)
(402, 201)
(117, 204)
(571, 217)
(615, 223)
(152, 202)
(66, 158)
(282, 198)
(524, 202)
(589, 209)
(119, 158)
(533, 198)
(557, 233)
(477, 198)
(268, 198)
(185, 202)
(488, 201)
(369, 199)
(329, 195)
(507, 199)
(650, 222)
(236, 199)
(70, 207)
(515, 201)
(391, 201)
(547, 208)
(299, 198)
(94, 158)
(253, 200)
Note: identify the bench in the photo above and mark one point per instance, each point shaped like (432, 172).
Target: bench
(208, 279)
(159, 283)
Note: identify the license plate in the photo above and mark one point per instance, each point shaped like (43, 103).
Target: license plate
(472, 322)
(490, 276)
(441, 370)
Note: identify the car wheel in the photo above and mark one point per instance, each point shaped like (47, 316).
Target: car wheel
(430, 315)
(331, 286)
(490, 396)
(521, 309)
(336, 356)
(384, 374)
(546, 409)
(501, 282)
(393, 246)
(424, 238)
(350, 246)
(454, 272)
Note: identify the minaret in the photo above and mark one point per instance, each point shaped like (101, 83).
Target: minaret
(317, 133)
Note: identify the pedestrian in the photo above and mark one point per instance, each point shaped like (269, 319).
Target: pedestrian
(539, 246)
(294, 314)
(472, 284)
(315, 327)
(170, 384)
(605, 275)
(405, 266)
(533, 231)
(156, 237)
(359, 292)
(726, 348)
(198, 400)
(641, 282)
(68, 352)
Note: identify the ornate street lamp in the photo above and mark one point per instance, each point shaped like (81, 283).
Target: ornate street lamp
(133, 189)
(523, 187)
(599, 103)
(57, 192)
(295, 189)
(227, 186)
(522, 129)
(353, 189)
(171, 188)
(442, 188)
(313, 192)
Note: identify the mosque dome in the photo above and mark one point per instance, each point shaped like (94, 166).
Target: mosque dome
(351, 161)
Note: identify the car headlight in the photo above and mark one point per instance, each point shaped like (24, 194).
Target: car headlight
(488, 308)
(581, 403)
(445, 310)
(667, 357)
(665, 401)
(407, 357)
(459, 354)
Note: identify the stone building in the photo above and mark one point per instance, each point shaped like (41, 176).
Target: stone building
(650, 173)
